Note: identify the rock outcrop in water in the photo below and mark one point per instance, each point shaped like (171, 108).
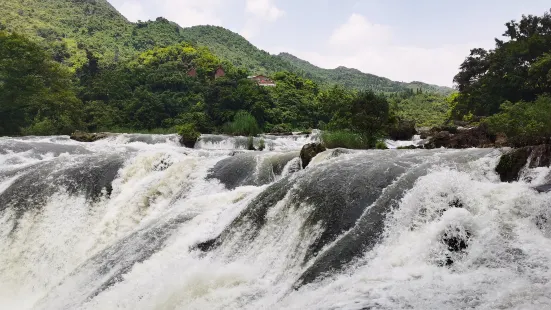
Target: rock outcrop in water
(403, 130)
(461, 138)
(89, 136)
(511, 164)
(310, 151)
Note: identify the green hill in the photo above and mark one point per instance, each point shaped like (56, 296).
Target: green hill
(353, 78)
(71, 27)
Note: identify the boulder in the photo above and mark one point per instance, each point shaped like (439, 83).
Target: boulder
(88, 137)
(511, 163)
(463, 138)
(309, 151)
(403, 130)
(188, 141)
(543, 188)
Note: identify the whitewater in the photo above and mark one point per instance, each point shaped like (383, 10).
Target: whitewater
(140, 222)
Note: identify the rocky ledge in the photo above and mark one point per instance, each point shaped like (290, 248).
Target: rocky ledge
(89, 136)
(511, 163)
(310, 151)
(461, 138)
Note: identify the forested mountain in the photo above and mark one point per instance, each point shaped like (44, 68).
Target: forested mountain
(72, 27)
(355, 79)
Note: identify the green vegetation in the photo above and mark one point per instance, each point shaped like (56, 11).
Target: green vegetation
(506, 82)
(36, 95)
(86, 67)
(425, 109)
(355, 79)
(524, 122)
(188, 134)
(381, 145)
(70, 29)
(344, 139)
(244, 124)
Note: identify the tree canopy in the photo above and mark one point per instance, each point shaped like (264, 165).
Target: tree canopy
(517, 69)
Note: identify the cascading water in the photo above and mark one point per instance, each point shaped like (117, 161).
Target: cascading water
(139, 222)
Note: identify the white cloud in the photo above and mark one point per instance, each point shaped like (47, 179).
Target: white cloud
(358, 31)
(259, 13)
(132, 10)
(264, 9)
(184, 12)
(369, 47)
(192, 12)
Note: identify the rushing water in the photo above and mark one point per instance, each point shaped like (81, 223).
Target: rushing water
(139, 222)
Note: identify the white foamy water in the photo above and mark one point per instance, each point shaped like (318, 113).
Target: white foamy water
(139, 222)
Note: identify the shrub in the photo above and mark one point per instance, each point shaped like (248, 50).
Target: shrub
(250, 144)
(346, 139)
(244, 124)
(281, 128)
(44, 127)
(188, 135)
(261, 145)
(381, 145)
(523, 122)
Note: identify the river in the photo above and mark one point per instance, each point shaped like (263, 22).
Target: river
(140, 222)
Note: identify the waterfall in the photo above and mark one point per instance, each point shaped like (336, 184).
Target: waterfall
(140, 222)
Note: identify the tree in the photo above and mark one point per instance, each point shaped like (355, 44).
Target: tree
(515, 70)
(36, 93)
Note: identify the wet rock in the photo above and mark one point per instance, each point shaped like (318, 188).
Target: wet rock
(456, 242)
(501, 140)
(543, 188)
(89, 137)
(309, 151)
(461, 138)
(511, 164)
(403, 130)
(188, 142)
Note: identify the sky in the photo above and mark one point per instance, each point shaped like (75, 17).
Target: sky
(423, 40)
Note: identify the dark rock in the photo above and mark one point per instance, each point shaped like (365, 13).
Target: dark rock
(403, 130)
(511, 164)
(464, 138)
(455, 243)
(408, 147)
(424, 132)
(309, 151)
(280, 134)
(543, 188)
(188, 141)
(501, 140)
(89, 137)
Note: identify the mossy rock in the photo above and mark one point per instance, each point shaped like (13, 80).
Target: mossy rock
(82, 136)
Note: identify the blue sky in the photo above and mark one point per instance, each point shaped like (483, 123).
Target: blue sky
(403, 40)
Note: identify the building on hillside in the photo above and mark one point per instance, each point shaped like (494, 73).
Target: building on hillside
(219, 72)
(263, 80)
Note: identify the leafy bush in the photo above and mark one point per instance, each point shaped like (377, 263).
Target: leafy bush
(44, 127)
(261, 145)
(188, 134)
(244, 124)
(523, 122)
(346, 139)
(381, 145)
(250, 144)
(281, 128)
